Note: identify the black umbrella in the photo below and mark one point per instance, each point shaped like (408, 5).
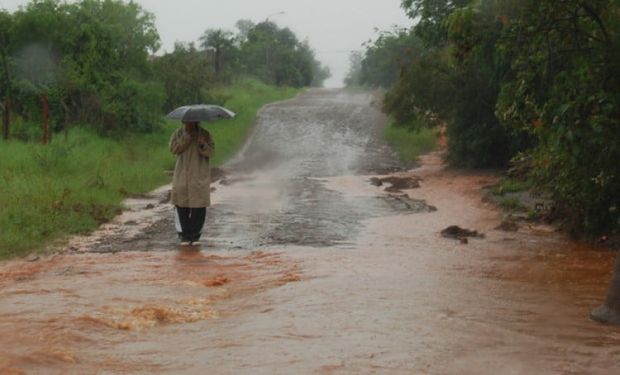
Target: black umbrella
(200, 112)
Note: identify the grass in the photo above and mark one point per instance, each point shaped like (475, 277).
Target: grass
(509, 185)
(78, 182)
(512, 204)
(409, 145)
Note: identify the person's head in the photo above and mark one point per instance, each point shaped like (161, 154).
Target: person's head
(190, 125)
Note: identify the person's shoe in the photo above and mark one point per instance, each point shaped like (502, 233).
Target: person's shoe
(196, 243)
(185, 243)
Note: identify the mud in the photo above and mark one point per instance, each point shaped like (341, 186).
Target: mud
(458, 233)
(397, 183)
(309, 268)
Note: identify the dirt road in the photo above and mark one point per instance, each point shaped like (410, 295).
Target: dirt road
(310, 268)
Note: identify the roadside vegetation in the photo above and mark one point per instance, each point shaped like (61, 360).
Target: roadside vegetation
(82, 105)
(410, 143)
(530, 85)
(80, 179)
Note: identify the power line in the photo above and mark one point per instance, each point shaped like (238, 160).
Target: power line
(340, 51)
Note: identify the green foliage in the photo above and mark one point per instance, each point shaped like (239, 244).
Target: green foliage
(276, 56)
(432, 15)
(89, 58)
(457, 83)
(423, 92)
(6, 24)
(183, 75)
(512, 204)
(387, 56)
(536, 81)
(565, 91)
(475, 136)
(72, 185)
(92, 61)
(77, 182)
(408, 143)
(354, 75)
(509, 185)
(220, 45)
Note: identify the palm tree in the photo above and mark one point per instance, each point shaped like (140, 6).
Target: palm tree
(220, 42)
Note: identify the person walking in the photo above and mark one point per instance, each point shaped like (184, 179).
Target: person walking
(191, 184)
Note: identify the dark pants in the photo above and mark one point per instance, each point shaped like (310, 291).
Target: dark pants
(192, 220)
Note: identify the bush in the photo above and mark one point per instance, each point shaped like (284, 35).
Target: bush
(565, 92)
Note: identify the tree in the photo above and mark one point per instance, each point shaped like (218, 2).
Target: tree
(320, 74)
(222, 43)
(354, 75)
(564, 91)
(276, 56)
(447, 67)
(315, 72)
(89, 61)
(431, 16)
(184, 75)
(388, 56)
(244, 27)
(37, 59)
(6, 22)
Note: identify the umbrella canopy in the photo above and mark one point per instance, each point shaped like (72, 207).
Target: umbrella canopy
(200, 112)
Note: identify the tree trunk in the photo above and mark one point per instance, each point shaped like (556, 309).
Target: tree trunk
(46, 122)
(6, 114)
(609, 313)
(6, 119)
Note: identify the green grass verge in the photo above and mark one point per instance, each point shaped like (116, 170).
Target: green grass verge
(76, 183)
(509, 185)
(512, 204)
(408, 144)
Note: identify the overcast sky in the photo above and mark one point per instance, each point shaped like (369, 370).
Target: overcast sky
(333, 27)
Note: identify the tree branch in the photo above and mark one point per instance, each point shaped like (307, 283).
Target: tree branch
(596, 19)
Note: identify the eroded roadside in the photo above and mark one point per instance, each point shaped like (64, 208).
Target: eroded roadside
(311, 267)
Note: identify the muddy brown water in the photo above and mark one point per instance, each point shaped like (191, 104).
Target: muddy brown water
(309, 268)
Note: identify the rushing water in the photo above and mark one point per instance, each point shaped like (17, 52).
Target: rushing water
(309, 268)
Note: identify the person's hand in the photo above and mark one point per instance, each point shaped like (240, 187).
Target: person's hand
(202, 139)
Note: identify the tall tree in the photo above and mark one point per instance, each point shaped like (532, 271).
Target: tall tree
(388, 56)
(276, 56)
(6, 21)
(184, 75)
(90, 59)
(222, 43)
(431, 17)
(244, 27)
(354, 75)
(564, 90)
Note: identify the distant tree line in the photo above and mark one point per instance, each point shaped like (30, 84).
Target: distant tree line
(530, 83)
(264, 50)
(93, 63)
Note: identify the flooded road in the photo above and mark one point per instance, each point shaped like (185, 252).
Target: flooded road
(309, 268)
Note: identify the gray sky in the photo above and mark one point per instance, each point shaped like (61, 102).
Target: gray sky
(333, 27)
